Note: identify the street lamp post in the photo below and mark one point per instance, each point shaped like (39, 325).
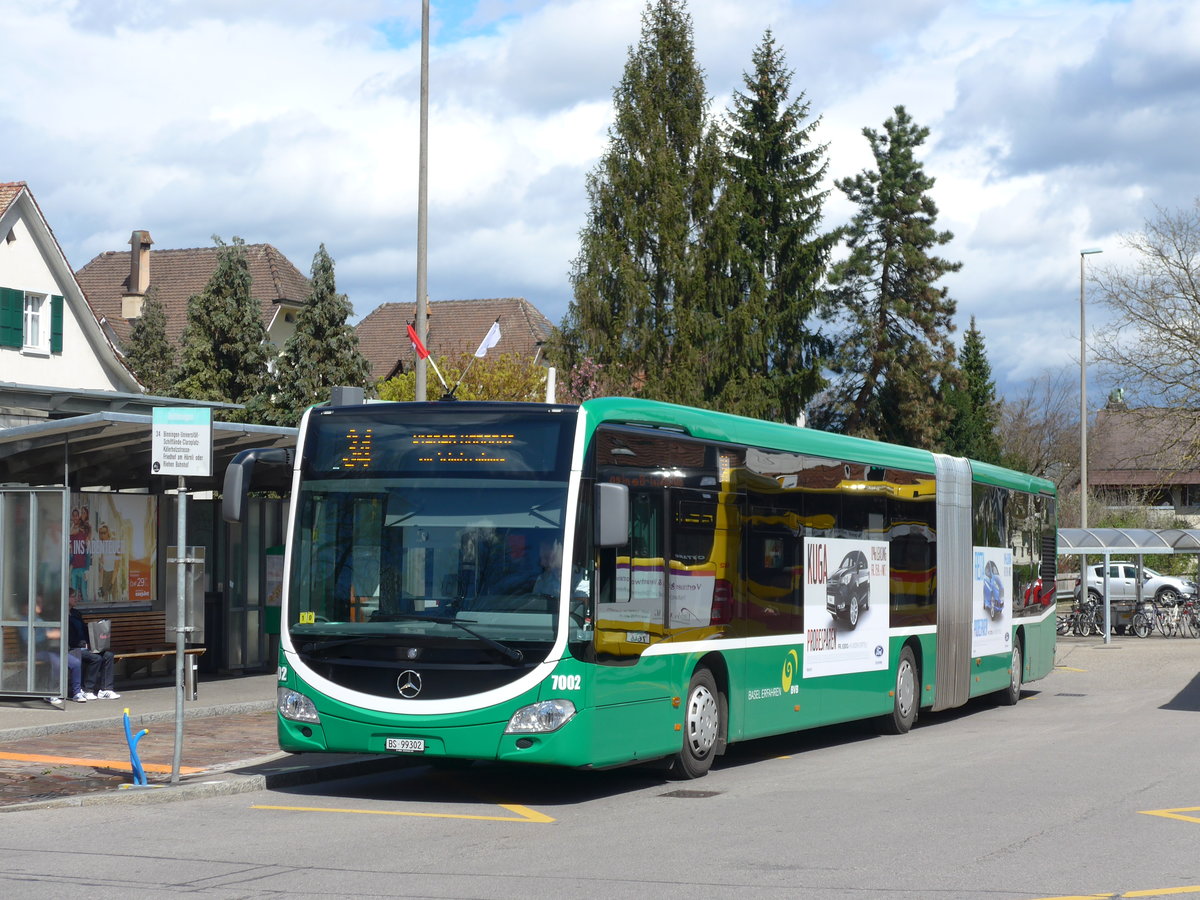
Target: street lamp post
(1083, 519)
(423, 209)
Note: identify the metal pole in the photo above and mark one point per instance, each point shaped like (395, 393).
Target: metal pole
(1083, 465)
(423, 204)
(181, 573)
(1083, 488)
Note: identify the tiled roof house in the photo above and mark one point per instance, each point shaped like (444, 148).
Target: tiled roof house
(116, 282)
(1148, 452)
(455, 327)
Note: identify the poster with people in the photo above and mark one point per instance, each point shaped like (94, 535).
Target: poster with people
(112, 548)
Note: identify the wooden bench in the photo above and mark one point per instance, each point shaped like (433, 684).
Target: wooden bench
(138, 639)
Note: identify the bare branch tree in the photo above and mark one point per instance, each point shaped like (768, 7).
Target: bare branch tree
(1151, 347)
(1039, 430)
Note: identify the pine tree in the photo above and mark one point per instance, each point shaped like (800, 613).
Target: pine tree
(772, 360)
(148, 351)
(896, 356)
(224, 344)
(322, 353)
(641, 307)
(974, 429)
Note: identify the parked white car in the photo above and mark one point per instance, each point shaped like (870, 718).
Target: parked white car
(1122, 584)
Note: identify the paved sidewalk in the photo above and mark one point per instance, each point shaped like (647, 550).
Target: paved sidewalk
(78, 754)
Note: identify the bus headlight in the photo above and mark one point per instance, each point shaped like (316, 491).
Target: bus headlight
(295, 706)
(548, 715)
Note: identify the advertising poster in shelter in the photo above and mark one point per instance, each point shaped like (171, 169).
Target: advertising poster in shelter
(846, 613)
(991, 603)
(113, 548)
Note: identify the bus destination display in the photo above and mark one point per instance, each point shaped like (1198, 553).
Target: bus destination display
(462, 448)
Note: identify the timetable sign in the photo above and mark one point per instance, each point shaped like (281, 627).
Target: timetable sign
(182, 442)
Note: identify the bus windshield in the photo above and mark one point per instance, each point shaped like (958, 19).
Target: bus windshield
(396, 547)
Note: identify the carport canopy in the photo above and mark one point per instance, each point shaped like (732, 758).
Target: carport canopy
(1137, 541)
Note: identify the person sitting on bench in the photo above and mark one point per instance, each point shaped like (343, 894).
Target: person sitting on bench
(97, 664)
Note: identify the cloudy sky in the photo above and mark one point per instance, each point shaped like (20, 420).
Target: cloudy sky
(1054, 126)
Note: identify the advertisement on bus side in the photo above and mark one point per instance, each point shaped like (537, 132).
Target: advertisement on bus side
(845, 606)
(991, 605)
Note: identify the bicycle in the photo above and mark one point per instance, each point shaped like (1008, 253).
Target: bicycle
(1090, 619)
(1190, 617)
(1171, 622)
(1146, 619)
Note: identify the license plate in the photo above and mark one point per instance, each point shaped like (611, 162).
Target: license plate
(406, 745)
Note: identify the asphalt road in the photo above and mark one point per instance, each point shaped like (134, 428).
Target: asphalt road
(1087, 788)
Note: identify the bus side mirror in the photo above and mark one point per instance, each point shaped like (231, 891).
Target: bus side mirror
(240, 472)
(612, 515)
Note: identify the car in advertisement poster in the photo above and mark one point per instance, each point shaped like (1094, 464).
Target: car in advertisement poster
(993, 591)
(848, 590)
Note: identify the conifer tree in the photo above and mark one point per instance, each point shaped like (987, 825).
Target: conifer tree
(773, 356)
(973, 429)
(895, 357)
(148, 351)
(322, 353)
(641, 307)
(224, 344)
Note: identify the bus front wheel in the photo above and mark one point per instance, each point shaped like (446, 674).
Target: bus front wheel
(905, 697)
(703, 726)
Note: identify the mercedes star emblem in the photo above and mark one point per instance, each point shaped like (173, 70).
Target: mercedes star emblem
(408, 684)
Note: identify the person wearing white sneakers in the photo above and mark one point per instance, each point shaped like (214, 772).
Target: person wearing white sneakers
(97, 664)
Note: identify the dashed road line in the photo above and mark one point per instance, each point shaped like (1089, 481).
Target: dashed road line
(524, 814)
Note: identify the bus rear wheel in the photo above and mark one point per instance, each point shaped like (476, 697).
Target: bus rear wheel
(905, 697)
(1012, 693)
(703, 726)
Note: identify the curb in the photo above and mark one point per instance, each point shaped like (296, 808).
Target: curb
(226, 782)
(117, 721)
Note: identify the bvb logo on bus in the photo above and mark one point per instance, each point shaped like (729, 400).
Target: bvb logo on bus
(790, 665)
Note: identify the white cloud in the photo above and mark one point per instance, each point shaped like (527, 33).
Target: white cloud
(294, 122)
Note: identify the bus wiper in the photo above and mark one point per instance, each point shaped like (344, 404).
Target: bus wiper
(512, 654)
(317, 646)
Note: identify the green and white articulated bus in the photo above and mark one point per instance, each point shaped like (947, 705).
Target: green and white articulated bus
(625, 581)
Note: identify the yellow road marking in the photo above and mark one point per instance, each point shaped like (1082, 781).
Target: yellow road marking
(1173, 813)
(523, 813)
(97, 763)
(1072, 669)
(1153, 892)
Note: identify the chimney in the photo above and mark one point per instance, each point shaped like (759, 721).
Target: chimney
(139, 274)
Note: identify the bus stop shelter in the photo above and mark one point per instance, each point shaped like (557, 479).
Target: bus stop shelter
(1135, 542)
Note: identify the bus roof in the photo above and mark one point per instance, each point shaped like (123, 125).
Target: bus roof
(778, 436)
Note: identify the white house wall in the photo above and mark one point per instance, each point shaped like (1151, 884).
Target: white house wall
(24, 266)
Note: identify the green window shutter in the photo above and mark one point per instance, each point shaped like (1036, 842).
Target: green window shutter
(12, 313)
(56, 323)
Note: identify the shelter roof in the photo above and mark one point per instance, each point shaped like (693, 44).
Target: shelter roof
(1128, 540)
(112, 450)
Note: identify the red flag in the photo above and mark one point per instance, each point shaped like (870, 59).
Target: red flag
(418, 347)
